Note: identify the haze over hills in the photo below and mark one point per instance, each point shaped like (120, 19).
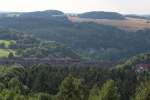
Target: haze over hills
(137, 16)
(91, 14)
(102, 15)
(129, 22)
(126, 22)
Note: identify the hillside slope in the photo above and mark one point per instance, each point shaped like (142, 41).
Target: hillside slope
(27, 46)
(102, 15)
(90, 40)
(128, 24)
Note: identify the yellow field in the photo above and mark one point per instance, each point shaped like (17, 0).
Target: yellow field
(130, 24)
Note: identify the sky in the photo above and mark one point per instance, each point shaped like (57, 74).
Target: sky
(77, 6)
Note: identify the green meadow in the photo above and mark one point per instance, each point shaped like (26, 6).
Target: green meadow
(7, 43)
(4, 52)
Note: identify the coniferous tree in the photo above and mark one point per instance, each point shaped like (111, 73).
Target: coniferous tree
(11, 55)
(94, 93)
(15, 85)
(108, 91)
(143, 92)
(44, 96)
(71, 89)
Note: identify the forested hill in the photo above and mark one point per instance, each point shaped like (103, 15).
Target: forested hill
(102, 15)
(47, 82)
(20, 45)
(142, 59)
(136, 16)
(51, 35)
(89, 40)
(46, 13)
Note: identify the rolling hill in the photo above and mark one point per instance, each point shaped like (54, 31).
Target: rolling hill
(136, 16)
(102, 15)
(103, 39)
(27, 46)
(128, 24)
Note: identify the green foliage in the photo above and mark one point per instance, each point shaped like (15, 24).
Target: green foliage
(11, 55)
(143, 92)
(15, 85)
(7, 43)
(91, 41)
(9, 95)
(1, 97)
(130, 64)
(109, 91)
(71, 89)
(19, 97)
(94, 93)
(44, 96)
(45, 82)
(5, 52)
(25, 45)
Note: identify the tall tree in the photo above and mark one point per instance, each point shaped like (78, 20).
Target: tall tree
(71, 89)
(11, 55)
(143, 92)
(44, 96)
(94, 93)
(108, 91)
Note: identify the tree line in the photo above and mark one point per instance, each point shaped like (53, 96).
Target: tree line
(43, 82)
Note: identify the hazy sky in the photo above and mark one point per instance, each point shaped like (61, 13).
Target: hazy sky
(122, 6)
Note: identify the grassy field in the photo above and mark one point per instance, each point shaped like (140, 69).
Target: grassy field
(7, 43)
(130, 24)
(4, 52)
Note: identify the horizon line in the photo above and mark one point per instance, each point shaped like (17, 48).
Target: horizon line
(66, 12)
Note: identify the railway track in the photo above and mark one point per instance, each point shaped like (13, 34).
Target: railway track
(60, 62)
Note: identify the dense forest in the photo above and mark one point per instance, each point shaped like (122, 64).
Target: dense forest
(27, 46)
(46, 82)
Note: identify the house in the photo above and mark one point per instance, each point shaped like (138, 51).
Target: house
(142, 67)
